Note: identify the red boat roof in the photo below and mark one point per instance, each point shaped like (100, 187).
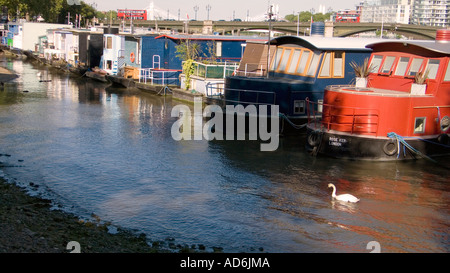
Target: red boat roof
(425, 48)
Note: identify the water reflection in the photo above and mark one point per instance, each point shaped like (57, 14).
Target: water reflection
(109, 151)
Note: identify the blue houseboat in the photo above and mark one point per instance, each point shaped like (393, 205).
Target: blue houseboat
(155, 56)
(299, 68)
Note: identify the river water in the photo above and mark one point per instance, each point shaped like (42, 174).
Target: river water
(94, 149)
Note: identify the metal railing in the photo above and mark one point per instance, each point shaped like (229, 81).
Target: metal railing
(352, 120)
(160, 77)
(214, 71)
(241, 96)
(251, 70)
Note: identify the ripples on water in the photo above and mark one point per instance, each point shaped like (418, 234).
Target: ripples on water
(108, 151)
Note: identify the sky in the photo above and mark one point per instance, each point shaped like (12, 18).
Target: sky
(223, 9)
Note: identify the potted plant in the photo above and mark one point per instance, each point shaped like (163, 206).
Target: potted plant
(362, 71)
(419, 86)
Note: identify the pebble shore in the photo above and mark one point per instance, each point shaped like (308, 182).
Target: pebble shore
(29, 225)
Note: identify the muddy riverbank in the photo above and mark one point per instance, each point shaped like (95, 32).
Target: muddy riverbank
(29, 225)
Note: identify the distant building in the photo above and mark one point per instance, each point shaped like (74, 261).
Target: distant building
(417, 12)
(431, 13)
(387, 11)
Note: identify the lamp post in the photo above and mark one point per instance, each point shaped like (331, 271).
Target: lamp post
(270, 15)
(208, 8)
(196, 9)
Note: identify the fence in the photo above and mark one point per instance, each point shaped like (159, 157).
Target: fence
(159, 76)
(252, 70)
(214, 71)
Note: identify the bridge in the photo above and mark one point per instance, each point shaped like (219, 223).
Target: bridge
(288, 28)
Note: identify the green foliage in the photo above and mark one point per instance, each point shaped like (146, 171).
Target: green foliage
(188, 71)
(362, 70)
(188, 50)
(86, 11)
(305, 16)
(48, 9)
(53, 11)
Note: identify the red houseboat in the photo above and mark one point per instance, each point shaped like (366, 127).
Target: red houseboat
(388, 118)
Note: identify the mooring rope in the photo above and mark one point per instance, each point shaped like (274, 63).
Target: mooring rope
(401, 140)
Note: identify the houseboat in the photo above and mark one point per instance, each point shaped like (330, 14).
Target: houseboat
(153, 59)
(389, 119)
(299, 68)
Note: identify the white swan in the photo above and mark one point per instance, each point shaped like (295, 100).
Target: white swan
(342, 197)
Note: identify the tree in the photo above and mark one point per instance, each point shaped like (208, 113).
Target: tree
(48, 9)
(188, 52)
(305, 16)
(86, 11)
(53, 11)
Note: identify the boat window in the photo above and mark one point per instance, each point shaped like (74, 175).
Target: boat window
(447, 74)
(326, 66)
(419, 125)
(218, 49)
(415, 66)
(277, 58)
(432, 67)
(293, 64)
(387, 65)
(332, 65)
(338, 66)
(108, 42)
(303, 62)
(314, 64)
(299, 106)
(376, 62)
(402, 66)
(284, 60)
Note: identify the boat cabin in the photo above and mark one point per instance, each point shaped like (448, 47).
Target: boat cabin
(402, 112)
(299, 68)
(398, 65)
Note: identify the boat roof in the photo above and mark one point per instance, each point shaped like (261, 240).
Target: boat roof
(326, 43)
(211, 37)
(413, 46)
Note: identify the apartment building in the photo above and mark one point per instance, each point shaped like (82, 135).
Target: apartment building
(418, 12)
(431, 13)
(387, 11)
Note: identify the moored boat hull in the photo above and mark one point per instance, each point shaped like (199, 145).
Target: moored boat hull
(357, 147)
